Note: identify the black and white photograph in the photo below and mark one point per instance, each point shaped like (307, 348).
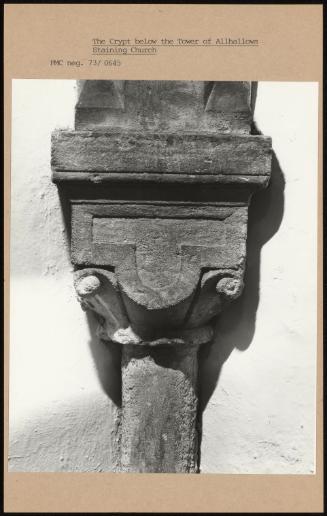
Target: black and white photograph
(163, 276)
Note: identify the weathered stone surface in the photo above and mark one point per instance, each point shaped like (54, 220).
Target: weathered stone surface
(159, 407)
(174, 106)
(100, 95)
(188, 154)
(125, 321)
(98, 291)
(229, 97)
(158, 261)
(103, 178)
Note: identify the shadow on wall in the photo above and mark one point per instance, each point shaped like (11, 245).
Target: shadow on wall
(236, 325)
(106, 355)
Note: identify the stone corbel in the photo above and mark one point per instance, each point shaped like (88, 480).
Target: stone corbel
(159, 176)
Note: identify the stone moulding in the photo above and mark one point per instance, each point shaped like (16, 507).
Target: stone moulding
(158, 239)
(90, 156)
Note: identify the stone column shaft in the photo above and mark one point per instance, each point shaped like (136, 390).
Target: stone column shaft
(159, 409)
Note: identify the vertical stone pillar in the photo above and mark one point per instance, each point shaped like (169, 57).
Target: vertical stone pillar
(159, 410)
(159, 176)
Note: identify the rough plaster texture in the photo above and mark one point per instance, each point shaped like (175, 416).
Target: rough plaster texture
(257, 379)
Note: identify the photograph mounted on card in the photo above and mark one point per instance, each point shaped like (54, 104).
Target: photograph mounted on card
(163, 231)
(180, 218)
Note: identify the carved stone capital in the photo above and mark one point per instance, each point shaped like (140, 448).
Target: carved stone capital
(98, 290)
(175, 265)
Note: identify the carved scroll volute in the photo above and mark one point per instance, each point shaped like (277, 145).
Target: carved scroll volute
(97, 290)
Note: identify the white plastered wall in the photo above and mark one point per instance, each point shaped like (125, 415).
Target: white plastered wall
(260, 416)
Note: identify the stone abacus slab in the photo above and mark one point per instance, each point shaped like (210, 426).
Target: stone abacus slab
(98, 156)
